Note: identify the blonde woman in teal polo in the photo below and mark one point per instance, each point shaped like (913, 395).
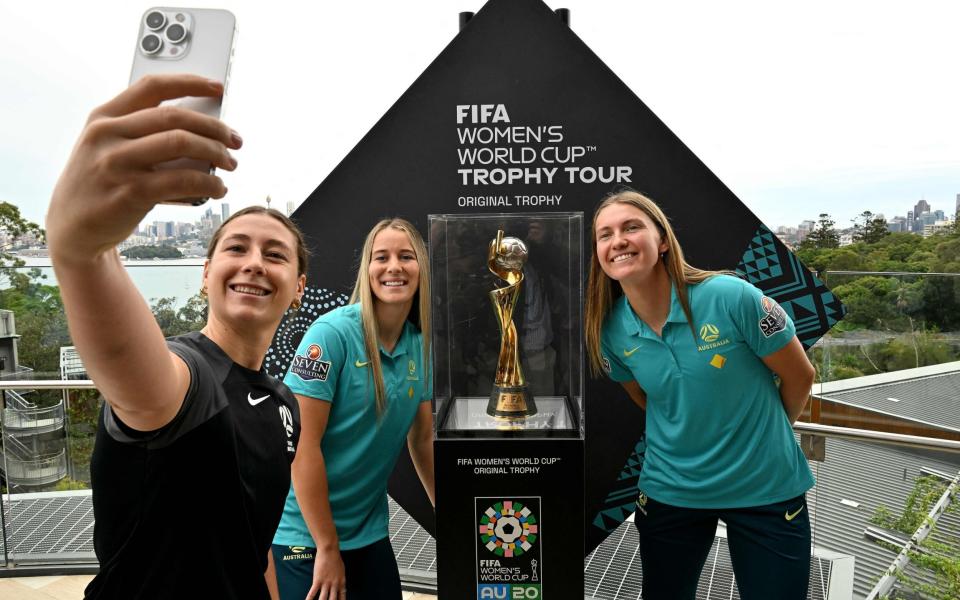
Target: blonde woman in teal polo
(362, 378)
(700, 352)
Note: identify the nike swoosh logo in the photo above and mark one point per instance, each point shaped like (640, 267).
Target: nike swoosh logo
(255, 401)
(629, 352)
(361, 364)
(789, 516)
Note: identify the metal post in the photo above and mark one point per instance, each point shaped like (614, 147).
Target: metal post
(564, 14)
(464, 18)
(6, 476)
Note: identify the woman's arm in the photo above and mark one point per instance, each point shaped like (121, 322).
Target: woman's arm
(309, 472)
(108, 185)
(270, 575)
(636, 393)
(420, 444)
(796, 374)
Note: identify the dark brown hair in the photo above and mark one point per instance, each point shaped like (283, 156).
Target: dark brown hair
(302, 253)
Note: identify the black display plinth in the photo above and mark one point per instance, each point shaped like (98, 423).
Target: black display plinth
(509, 518)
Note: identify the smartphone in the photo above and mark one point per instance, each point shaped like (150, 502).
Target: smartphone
(200, 41)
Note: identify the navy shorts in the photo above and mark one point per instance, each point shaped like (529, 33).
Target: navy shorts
(769, 548)
(371, 571)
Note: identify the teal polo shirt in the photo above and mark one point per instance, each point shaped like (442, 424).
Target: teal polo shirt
(331, 366)
(717, 433)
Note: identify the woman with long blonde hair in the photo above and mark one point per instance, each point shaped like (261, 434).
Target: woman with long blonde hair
(700, 352)
(362, 377)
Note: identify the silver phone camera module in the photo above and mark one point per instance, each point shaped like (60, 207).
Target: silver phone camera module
(165, 34)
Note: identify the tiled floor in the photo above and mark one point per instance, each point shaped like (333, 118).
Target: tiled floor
(71, 588)
(43, 588)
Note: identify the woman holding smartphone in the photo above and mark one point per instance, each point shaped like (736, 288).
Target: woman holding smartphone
(363, 379)
(698, 351)
(191, 463)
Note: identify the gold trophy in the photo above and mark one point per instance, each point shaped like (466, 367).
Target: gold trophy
(510, 400)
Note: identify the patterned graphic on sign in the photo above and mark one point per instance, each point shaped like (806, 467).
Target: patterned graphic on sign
(508, 552)
(316, 302)
(619, 503)
(778, 273)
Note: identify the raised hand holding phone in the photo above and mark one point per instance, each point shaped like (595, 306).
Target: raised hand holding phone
(112, 178)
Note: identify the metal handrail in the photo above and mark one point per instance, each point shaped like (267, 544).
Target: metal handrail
(26, 418)
(891, 273)
(36, 413)
(15, 398)
(900, 439)
(47, 384)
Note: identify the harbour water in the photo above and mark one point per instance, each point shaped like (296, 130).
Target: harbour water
(172, 278)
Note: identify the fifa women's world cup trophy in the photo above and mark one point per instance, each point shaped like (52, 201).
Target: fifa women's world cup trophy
(510, 399)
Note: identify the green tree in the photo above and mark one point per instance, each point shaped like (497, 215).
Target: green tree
(162, 251)
(824, 234)
(873, 228)
(190, 317)
(871, 301)
(15, 225)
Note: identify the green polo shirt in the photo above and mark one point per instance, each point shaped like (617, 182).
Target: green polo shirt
(717, 433)
(331, 365)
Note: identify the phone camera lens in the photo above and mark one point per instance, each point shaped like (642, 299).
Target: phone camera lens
(151, 43)
(176, 33)
(155, 20)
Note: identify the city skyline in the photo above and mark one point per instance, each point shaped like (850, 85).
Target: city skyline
(829, 117)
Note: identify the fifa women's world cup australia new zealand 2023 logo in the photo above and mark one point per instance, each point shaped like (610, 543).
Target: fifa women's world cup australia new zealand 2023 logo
(509, 562)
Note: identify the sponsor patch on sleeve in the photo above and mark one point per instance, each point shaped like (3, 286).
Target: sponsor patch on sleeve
(308, 366)
(774, 318)
(605, 363)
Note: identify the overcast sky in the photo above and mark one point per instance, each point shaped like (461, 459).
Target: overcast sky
(822, 106)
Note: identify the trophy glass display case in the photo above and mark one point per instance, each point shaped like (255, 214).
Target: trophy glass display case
(507, 326)
(508, 381)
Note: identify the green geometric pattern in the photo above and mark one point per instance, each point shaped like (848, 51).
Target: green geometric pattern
(777, 271)
(620, 502)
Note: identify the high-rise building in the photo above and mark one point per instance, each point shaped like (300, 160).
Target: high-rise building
(957, 210)
(290, 207)
(897, 224)
(920, 208)
(224, 211)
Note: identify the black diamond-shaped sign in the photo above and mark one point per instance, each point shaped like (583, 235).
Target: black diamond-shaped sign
(519, 110)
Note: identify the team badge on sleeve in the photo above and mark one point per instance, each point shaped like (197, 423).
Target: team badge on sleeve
(308, 366)
(605, 363)
(774, 318)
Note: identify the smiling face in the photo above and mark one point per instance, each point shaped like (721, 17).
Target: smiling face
(251, 277)
(628, 243)
(394, 270)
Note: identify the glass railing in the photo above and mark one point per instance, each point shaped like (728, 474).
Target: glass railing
(48, 516)
(890, 373)
(883, 428)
